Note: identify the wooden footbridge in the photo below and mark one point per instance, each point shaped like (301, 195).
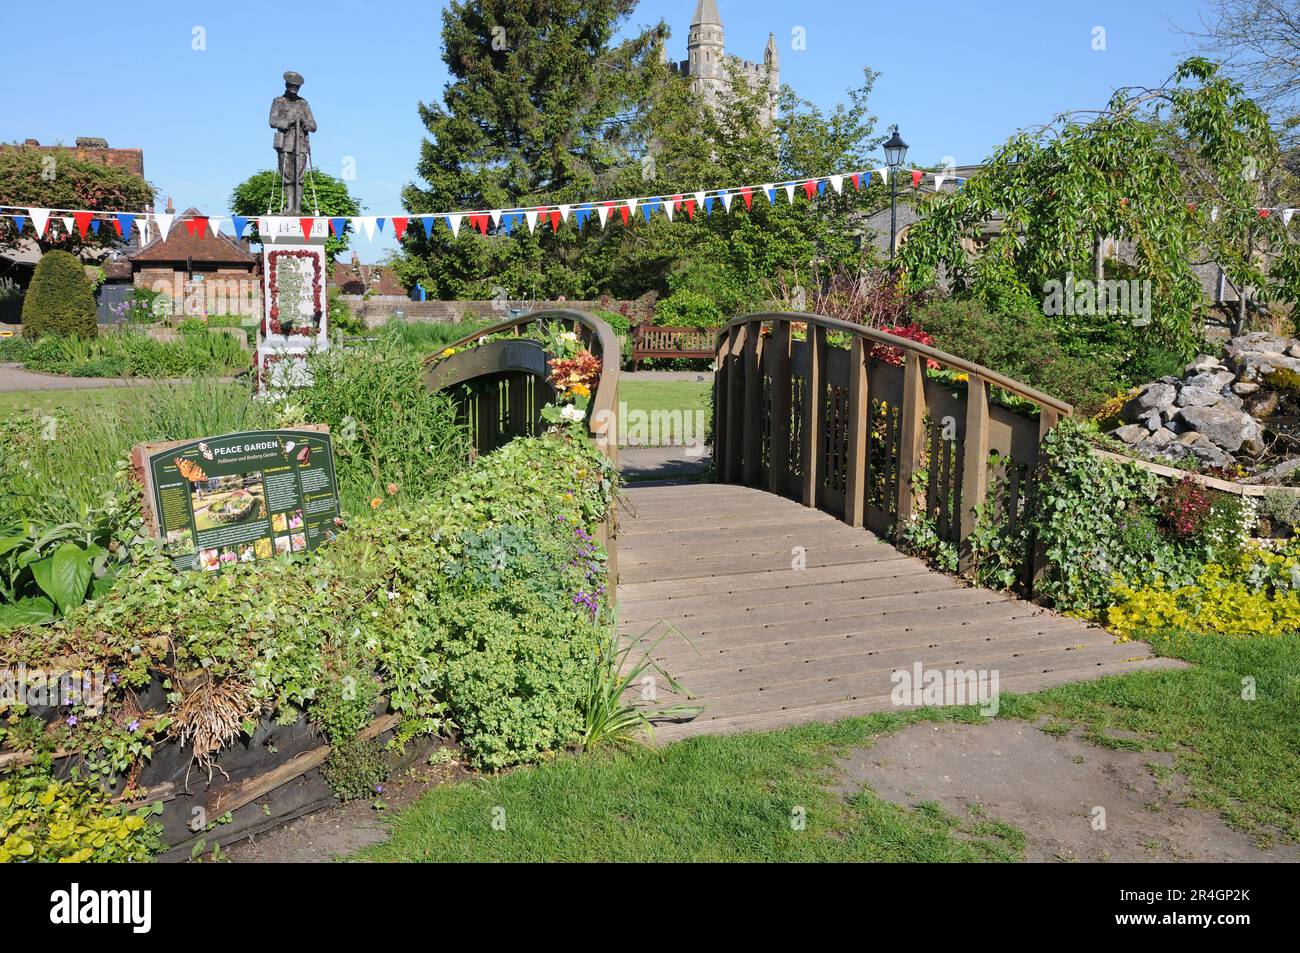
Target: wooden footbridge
(774, 595)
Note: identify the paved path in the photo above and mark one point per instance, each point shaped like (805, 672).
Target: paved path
(13, 377)
(767, 645)
(661, 463)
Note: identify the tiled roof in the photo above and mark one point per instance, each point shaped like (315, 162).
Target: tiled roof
(182, 245)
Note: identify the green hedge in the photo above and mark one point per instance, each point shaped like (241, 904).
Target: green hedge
(60, 299)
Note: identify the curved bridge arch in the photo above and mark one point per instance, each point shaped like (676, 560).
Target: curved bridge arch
(500, 385)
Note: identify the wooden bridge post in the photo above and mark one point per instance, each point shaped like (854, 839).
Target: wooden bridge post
(778, 454)
(721, 407)
(855, 490)
(735, 403)
(911, 435)
(974, 464)
(814, 399)
(753, 415)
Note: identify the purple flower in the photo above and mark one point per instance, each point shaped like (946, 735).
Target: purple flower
(72, 721)
(379, 789)
(134, 726)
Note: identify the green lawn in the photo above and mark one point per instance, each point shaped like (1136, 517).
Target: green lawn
(675, 401)
(732, 798)
(20, 401)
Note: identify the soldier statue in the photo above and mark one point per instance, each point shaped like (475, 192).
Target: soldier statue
(292, 120)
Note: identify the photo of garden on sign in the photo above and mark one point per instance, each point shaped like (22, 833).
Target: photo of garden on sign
(243, 497)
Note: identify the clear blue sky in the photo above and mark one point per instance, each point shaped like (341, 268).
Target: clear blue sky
(958, 76)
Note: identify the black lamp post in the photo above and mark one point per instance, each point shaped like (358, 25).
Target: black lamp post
(895, 153)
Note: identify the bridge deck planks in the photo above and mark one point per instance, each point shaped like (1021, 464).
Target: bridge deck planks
(765, 645)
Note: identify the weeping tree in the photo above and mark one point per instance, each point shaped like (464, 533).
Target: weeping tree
(1178, 173)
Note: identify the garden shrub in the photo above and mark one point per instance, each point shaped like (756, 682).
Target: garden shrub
(356, 768)
(1099, 520)
(47, 820)
(688, 309)
(59, 299)
(387, 428)
(1256, 594)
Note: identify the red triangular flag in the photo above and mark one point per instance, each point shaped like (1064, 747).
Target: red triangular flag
(117, 226)
(677, 203)
(857, 181)
(399, 226)
(748, 196)
(555, 219)
(480, 222)
(690, 209)
(810, 187)
(306, 225)
(916, 179)
(623, 209)
(198, 224)
(83, 221)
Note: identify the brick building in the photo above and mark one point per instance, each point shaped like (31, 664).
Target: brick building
(201, 274)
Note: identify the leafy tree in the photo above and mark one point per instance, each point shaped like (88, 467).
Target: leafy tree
(527, 124)
(1176, 171)
(59, 299)
(260, 193)
(40, 178)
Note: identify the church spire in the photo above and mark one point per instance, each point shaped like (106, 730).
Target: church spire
(706, 12)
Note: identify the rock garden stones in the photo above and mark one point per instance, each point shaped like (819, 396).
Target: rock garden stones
(1212, 413)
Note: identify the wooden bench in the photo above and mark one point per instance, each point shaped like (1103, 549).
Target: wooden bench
(649, 341)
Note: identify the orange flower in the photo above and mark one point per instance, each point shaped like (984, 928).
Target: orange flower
(376, 503)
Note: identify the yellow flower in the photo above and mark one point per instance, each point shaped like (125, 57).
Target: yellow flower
(962, 377)
(582, 390)
(448, 352)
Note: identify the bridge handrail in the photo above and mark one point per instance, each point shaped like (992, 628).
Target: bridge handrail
(872, 443)
(600, 339)
(906, 345)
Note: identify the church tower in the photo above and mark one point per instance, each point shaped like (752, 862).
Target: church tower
(705, 49)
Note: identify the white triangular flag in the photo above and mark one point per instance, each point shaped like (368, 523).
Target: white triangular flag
(364, 223)
(530, 216)
(69, 223)
(163, 222)
(40, 218)
(631, 206)
(939, 179)
(668, 208)
(1286, 215)
(453, 222)
(726, 200)
(883, 172)
(564, 212)
(214, 223)
(496, 216)
(837, 183)
(789, 192)
(699, 201)
(602, 210)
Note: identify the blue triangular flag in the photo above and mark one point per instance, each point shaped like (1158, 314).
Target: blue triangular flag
(427, 221)
(379, 224)
(94, 225)
(581, 214)
(821, 186)
(124, 221)
(771, 196)
(240, 222)
(19, 222)
(338, 225)
(708, 205)
(507, 222)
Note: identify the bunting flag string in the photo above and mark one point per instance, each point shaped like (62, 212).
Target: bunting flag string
(84, 221)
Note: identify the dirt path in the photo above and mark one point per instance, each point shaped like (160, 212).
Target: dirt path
(1053, 789)
(15, 378)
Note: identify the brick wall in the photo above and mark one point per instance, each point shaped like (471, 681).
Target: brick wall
(377, 309)
(219, 291)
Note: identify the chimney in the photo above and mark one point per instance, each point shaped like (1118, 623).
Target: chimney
(171, 209)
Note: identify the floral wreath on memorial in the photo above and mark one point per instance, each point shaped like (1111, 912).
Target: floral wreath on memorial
(273, 319)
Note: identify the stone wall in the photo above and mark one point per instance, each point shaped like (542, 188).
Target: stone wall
(377, 309)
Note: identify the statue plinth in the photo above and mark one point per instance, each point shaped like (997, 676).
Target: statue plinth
(294, 289)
